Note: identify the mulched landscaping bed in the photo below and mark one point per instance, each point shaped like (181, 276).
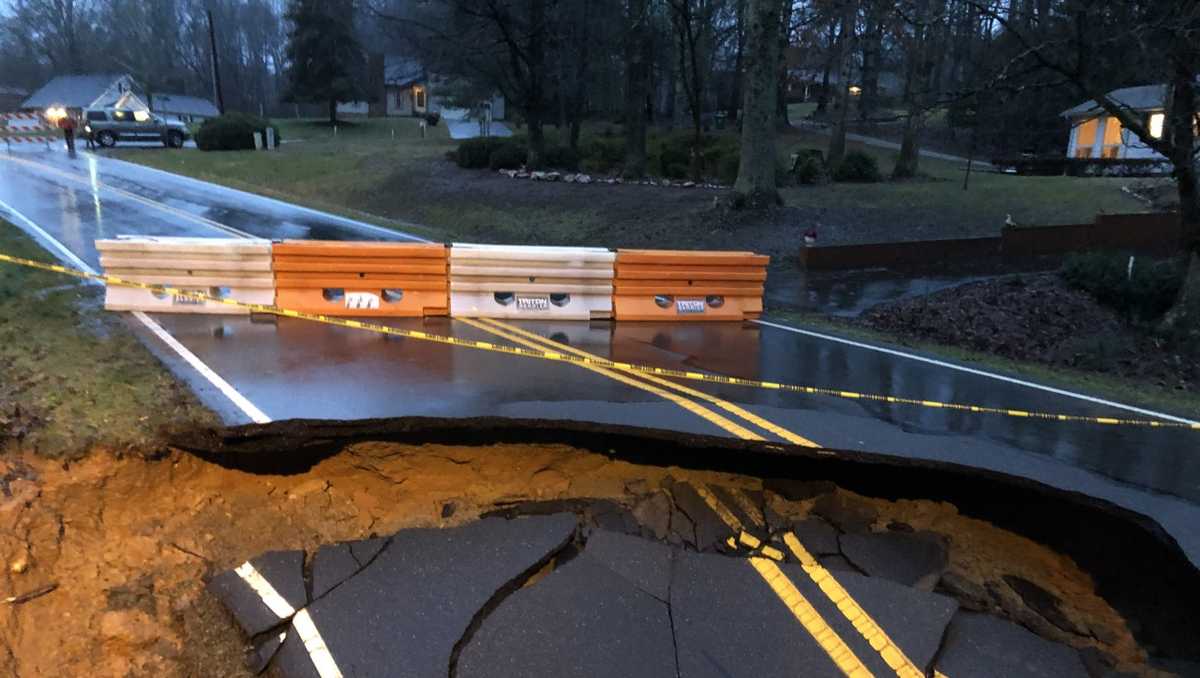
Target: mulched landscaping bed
(1037, 318)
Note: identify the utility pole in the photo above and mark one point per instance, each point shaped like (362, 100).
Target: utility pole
(216, 68)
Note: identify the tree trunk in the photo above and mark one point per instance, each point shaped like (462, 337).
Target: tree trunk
(908, 162)
(782, 121)
(333, 111)
(739, 61)
(823, 98)
(537, 140)
(637, 85)
(837, 142)
(537, 76)
(910, 150)
(1184, 316)
(872, 50)
(755, 185)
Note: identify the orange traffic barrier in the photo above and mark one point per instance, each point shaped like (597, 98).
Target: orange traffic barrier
(232, 268)
(361, 278)
(683, 285)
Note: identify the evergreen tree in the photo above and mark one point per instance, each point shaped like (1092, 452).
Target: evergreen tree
(325, 61)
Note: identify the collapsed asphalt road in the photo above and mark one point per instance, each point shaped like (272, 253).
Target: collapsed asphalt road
(670, 579)
(606, 591)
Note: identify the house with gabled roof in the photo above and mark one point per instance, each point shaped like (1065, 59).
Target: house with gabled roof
(78, 92)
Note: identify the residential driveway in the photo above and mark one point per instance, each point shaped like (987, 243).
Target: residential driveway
(470, 129)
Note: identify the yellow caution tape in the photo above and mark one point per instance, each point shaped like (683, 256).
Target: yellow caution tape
(596, 361)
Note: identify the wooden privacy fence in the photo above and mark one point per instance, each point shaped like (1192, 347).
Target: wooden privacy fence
(361, 278)
(1153, 233)
(230, 268)
(501, 281)
(683, 285)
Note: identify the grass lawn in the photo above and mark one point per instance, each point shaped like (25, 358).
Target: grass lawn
(1139, 393)
(800, 111)
(314, 166)
(74, 376)
(383, 171)
(989, 197)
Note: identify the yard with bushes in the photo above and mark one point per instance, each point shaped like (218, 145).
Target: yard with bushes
(386, 172)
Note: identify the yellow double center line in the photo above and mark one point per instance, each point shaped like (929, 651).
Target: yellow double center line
(766, 567)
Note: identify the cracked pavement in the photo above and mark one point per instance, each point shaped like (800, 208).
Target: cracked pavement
(596, 588)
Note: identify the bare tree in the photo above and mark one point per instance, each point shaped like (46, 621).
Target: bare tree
(755, 185)
(60, 30)
(916, 50)
(691, 19)
(638, 67)
(845, 53)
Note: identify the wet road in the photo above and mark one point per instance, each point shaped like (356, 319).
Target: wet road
(293, 369)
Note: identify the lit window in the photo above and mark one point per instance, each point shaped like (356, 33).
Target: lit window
(1156, 125)
(855, 90)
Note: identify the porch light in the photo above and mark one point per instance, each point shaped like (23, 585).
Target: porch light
(855, 90)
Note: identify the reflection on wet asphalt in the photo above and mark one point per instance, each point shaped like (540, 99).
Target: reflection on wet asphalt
(294, 369)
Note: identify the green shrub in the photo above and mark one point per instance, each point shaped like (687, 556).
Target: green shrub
(1144, 296)
(810, 170)
(560, 157)
(232, 132)
(727, 168)
(676, 171)
(672, 155)
(857, 167)
(476, 153)
(508, 155)
(602, 155)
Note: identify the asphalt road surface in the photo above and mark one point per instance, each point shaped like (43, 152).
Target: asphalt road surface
(584, 594)
(285, 369)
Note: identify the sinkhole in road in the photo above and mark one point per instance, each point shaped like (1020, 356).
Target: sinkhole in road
(131, 542)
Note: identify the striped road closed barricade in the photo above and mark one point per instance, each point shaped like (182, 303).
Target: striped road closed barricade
(499, 281)
(689, 286)
(232, 268)
(26, 128)
(361, 278)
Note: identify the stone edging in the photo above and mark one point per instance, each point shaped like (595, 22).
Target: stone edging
(582, 178)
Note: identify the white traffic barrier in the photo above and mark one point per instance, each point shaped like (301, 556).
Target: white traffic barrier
(500, 281)
(17, 128)
(231, 268)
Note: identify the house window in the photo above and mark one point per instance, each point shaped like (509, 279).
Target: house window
(1156, 124)
(1085, 137)
(419, 95)
(1112, 138)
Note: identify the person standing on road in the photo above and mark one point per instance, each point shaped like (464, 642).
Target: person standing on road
(89, 137)
(67, 125)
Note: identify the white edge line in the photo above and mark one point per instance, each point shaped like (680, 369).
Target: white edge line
(248, 408)
(256, 415)
(282, 203)
(982, 373)
(58, 249)
(302, 621)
